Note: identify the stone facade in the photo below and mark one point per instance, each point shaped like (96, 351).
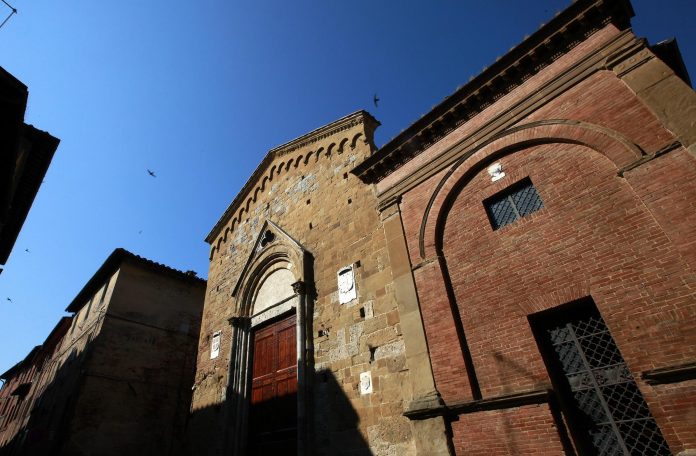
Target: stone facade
(20, 388)
(323, 219)
(118, 378)
(512, 274)
(446, 348)
(603, 129)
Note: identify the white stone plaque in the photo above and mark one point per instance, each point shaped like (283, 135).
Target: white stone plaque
(496, 172)
(215, 344)
(346, 284)
(366, 383)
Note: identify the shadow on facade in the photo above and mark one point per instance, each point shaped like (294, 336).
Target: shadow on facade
(45, 428)
(75, 412)
(333, 425)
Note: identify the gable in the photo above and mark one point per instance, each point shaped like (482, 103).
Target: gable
(297, 156)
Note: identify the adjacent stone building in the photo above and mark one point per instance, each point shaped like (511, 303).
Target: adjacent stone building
(119, 380)
(512, 274)
(20, 386)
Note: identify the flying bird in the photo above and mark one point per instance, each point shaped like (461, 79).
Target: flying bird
(151, 173)
(27, 250)
(140, 232)
(9, 299)
(375, 100)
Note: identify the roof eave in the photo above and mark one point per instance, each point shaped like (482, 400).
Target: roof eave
(475, 96)
(112, 264)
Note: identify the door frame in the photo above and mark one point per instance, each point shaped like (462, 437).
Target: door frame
(266, 257)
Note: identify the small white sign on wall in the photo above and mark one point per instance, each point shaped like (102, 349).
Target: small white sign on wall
(215, 344)
(346, 284)
(496, 172)
(366, 382)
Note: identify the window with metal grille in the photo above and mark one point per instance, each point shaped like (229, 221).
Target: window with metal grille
(513, 203)
(605, 410)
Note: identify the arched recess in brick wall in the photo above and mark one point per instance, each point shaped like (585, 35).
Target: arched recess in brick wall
(620, 150)
(613, 148)
(275, 283)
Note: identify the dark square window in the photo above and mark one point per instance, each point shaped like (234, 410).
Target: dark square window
(513, 203)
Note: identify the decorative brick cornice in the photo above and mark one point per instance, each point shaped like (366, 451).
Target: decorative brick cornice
(562, 33)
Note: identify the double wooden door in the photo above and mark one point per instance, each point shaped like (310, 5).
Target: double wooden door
(273, 413)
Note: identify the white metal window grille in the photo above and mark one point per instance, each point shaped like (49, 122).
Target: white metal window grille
(609, 415)
(513, 203)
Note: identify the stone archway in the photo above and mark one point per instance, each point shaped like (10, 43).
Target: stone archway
(273, 286)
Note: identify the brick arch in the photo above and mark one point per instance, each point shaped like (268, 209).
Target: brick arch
(615, 147)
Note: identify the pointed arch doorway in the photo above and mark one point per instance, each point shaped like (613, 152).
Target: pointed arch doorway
(271, 349)
(273, 401)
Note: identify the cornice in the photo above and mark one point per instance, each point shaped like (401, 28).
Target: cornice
(323, 132)
(334, 128)
(606, 56)
(113, 262)
(569, 28)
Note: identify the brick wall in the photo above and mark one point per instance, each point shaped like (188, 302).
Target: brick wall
(617, 225)
(524, 430)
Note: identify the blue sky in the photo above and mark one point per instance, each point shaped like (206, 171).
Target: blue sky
(199, 91)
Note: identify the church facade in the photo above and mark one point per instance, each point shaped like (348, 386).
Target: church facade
(513, 274)
(302, 341)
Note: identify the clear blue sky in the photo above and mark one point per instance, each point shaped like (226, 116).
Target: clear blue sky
(198, 91)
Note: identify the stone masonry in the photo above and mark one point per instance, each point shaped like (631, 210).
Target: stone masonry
(305, 188)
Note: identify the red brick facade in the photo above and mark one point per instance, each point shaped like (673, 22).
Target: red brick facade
(618, 225)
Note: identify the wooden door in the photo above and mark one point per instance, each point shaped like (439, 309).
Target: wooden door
(273, 414)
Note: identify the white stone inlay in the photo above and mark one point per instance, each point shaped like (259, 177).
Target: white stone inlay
(496, 171)
(215, 344)
(347, 290)
(366, 382)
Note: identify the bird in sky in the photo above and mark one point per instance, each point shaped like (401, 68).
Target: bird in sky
(140, 232)
(151, 173)
(9, 299)
(375, 100)
(27, 250)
